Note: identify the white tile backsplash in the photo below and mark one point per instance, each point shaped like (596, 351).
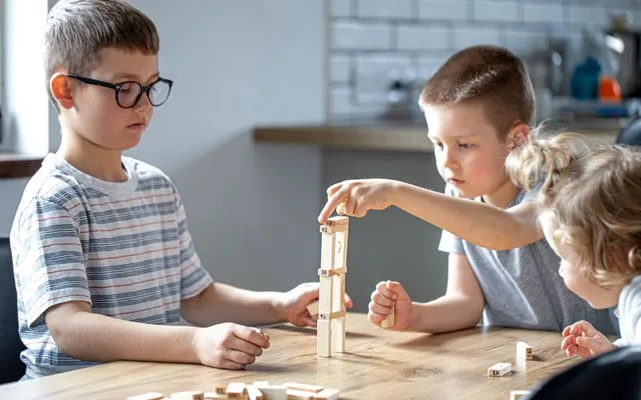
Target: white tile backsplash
(371, 37)
(592, 15)
(494, 11)
(385, 9)
(361, 36)
(340, 68)
(419, 37)
(467, 36)
(341, 8)
(542, 12)
(443, 10)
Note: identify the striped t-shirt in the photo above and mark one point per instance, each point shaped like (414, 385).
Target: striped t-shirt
(123, 247)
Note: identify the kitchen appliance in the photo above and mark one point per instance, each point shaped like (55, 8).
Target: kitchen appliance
(627, 44)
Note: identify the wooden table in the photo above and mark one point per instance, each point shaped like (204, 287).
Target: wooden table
(378, 365)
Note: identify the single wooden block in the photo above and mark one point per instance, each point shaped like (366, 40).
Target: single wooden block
(312, 308)
(220, 388)
(390, 321)
(338, 334)
(323, 338)
(274, 392)
(214, 396)
(330, 230)
(303, 386)
(327, 317)
(254, 393)
(332, 272)
(499, 369)
(293, 394)
(338, 220)
(191, 395)
(236, 390)
(523, 351)
(147, 396)
(327, 394)
(518, 394)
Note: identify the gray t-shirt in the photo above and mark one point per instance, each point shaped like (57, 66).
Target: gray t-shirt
(522, 287)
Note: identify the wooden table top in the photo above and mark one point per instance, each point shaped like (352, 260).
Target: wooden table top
(378, 364)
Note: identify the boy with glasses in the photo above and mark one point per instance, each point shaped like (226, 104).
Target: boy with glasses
(103, 260)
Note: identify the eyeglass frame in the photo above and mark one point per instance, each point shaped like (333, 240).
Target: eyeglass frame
(117, 86)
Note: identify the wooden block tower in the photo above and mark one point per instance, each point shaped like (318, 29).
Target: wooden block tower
(330, 330)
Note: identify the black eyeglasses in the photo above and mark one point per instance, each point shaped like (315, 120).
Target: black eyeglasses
(128, 93)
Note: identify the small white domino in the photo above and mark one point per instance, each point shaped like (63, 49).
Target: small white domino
(523, 351)
(499, 369)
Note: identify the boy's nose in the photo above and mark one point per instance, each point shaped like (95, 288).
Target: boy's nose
(448, 160)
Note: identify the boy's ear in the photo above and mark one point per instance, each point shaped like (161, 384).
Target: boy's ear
(61, 90)
(517, 136)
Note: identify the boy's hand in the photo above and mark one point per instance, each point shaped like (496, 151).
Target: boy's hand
(386, 295)
(355, 198)
(229, 345)
(581, 339)
(295, 302)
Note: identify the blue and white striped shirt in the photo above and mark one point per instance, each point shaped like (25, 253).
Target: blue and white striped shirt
(123, 247)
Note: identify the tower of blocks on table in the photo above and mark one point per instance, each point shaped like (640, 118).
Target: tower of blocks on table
(330, 329)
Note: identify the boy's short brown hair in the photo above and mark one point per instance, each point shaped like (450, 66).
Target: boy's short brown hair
(489, 75)
(76, 30)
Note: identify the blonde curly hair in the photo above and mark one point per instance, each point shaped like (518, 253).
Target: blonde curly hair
(594, 195)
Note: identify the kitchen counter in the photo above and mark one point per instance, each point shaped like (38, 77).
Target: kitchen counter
(388, 136)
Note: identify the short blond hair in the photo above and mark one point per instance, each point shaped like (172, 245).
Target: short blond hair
(595, 197)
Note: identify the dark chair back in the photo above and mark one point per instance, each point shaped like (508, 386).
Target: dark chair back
(11, 368)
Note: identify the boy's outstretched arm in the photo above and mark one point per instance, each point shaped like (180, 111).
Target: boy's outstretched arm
(84, 335)
(225, 303)
(478, 223)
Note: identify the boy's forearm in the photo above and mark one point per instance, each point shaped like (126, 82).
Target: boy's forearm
(473, 221)
(445, 314)
(95, 337)
(224, 303)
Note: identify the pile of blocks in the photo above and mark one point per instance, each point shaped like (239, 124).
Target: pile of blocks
(259, 390)
(523, 354)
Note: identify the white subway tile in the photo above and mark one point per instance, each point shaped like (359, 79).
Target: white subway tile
(543, 12)
(373, 72)
(417, 37)
(341, 8)
(360, 36)
(466, 36)
(452, 10)
(595, 16)
(523, 42)
(384, 9)
(343, 103)
(339, 68)
(504, 11)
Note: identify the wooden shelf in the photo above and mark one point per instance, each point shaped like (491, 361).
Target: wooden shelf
(388, 137)
(18, 165)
